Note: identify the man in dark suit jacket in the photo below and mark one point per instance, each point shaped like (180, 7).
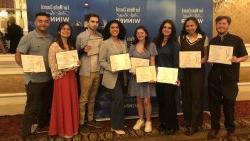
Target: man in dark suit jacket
(14, 34)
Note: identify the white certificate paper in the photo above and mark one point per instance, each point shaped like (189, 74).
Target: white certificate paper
(33, 63)
(94, 42)
(167, 75)
(220, 54)
(120, 62)
(190, 59)
(138, 62)
(145, 74)
(67, 59)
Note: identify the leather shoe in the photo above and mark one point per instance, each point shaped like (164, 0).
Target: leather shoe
(191, 131)
(212, 134)
(230, 136)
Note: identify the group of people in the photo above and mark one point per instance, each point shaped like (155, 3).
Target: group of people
(68, 111)
(13, 33)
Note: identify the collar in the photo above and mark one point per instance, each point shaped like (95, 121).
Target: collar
(198, 37)
(41, 35)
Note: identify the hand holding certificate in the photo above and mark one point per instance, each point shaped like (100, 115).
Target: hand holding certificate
(145, 74)
(190, 59)
(33, 63)
(94, 43)
(167, 75)
(120, 62)
(220, 54)
(138, 62)
(67, 59)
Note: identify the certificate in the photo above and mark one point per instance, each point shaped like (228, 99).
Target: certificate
(67, 59)
(33, 63)
(120, 62)
(167, 75)
(94, 42)
(138, 62)
(145, 74)
(190, 59)
(220, 54)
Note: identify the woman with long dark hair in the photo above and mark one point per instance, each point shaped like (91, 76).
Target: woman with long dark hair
(64, 119)
(192, 85)
(168, 56)
(114, 43)
(144, 49)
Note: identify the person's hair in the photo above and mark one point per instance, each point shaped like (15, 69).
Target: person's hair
(88, 16)
(219, 18)
(147, 39)
(59, 38)
(106, 31)
(172, 38)
(12, 20)
(198, 30)
(42, 14)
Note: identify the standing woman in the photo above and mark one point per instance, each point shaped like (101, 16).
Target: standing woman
(168, 56)
(114, 43)
(64, 119)
(142, 48)
(193, 39)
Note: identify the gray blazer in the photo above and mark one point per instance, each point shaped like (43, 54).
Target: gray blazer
(108, 49)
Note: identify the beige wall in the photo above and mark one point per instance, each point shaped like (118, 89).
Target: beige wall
(239, 11)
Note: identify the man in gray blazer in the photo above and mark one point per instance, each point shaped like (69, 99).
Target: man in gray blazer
(89, 70)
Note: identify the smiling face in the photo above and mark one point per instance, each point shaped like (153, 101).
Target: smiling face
(65, 31)
(191, 27)
(114, 29)
(222, 26)
(141, 34)
(42, 23)
(167, 29)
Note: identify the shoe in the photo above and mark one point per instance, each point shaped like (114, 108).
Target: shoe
(119, 132)
(83, 128)
(139, 123)
(40, 130)
(231, 136)
(94, 124)
(162, 128)
(212, 134)
(191, 131)
(171, 131)
(148, 126)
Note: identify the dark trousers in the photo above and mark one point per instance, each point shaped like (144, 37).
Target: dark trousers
(117, 104)
(38, 104)
(222, 93)
(192, 88)
(166, 95)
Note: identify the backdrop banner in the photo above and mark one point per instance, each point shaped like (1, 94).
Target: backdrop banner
(131, 13)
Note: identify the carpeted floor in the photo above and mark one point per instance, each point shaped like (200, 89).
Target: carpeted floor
(10, 129)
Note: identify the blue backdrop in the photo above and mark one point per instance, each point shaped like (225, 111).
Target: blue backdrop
(131, 13)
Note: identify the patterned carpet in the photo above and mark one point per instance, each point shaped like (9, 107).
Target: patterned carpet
(10, 129)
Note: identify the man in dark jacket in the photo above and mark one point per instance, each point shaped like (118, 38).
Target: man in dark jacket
(14, 34)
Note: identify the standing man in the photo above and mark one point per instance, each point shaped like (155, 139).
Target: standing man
(39, 86)
(223, 79)
(14, 34)
(89, 70)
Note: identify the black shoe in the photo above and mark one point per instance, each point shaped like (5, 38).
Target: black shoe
(171, 131)
(191, 131)
(162, 129)
(94, 124)
(212, 134)
(231, 136)
(83, 128)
